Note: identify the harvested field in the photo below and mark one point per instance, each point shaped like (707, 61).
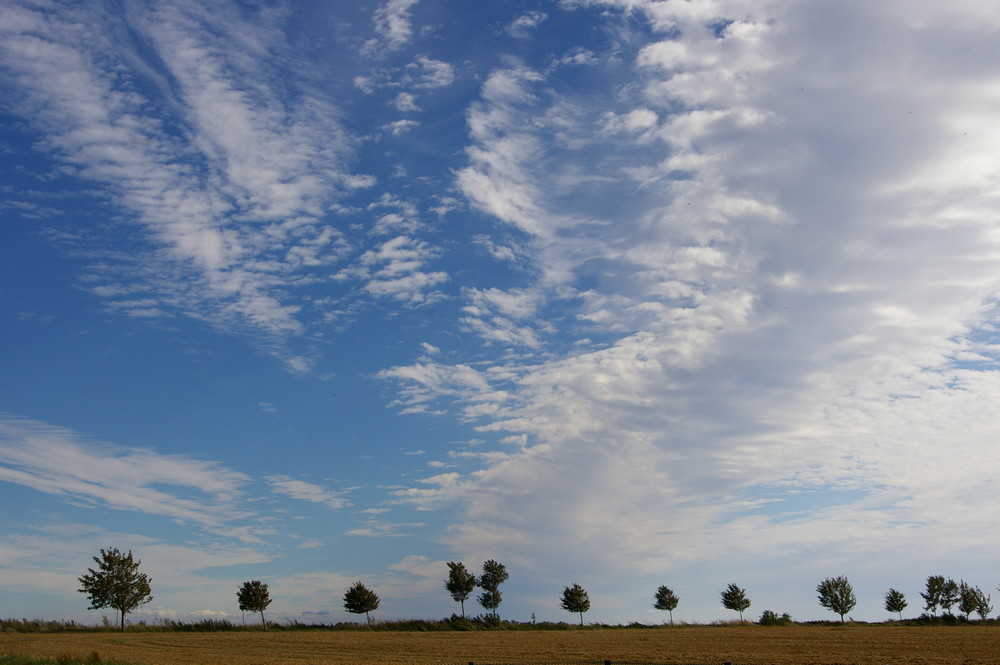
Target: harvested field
(741, 645)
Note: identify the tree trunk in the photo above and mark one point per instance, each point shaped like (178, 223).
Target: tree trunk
(262, 621)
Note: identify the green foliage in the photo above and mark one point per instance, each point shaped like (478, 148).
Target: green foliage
(253, 596)
(734, 598)
(575, 599)
(769, 618)
(116, 583)
(941, 593)
(666, 599)
(460, 583)
(494, 574)
(837, 595)
(895, 601)
(359, 599)
(972, 599)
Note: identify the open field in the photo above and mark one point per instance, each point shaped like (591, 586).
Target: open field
(741, 645)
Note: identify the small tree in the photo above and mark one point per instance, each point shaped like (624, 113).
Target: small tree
(494, 574)
(575, 599)
(983, 607)
(950, 595)
(666, 600)
(359, 599)
(253, 596)
(460, 583)
(941, 592)
(972, 599)
(895, 601)
(735, 598)
(836, 594)
(117, 583)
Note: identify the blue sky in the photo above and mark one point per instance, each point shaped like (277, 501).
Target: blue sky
(616, 292)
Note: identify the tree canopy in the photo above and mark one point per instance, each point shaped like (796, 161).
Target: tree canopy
(359, 599)
(940, 592)
(836, 594)
(116, 583)
(575, 599)
(666, 600)
(460, 583)
(494, 574)
(734, 598)
(253, 596)
(895, 601)
(972, 599)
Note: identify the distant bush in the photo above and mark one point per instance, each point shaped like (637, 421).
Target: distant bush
(769, 618)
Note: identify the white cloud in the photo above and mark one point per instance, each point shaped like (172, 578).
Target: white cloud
(392, 22)
(61, 463)
(523, 24)
(789, 301)
(394, 270)
(305, 491)
(405, 102)
(400, 127)
(228, 182)
(499, 316)
(434, 73)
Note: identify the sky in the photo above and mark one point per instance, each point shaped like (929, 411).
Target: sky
(622, 293)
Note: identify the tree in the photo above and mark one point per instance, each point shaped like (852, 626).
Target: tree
(735, 598)
(972, 599)
(895, 601)
(460, 583)
(253, 596)
(359, 599)
(575, 599)
(666, 600)
(836, 594)
(117, 583)
(941, 593)
(983, 607)
(494, 574)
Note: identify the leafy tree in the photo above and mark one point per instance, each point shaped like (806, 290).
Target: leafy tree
(941, 593)
(836, 594)
(253, 596)
(932, 595)
(575, 599)
(735, 598)
(117, 583)
(494, 574)
(972, 599)
(983, 607)
(950, 595)
(359, 599)
(667, 600)
(895, 601)
(460, 583)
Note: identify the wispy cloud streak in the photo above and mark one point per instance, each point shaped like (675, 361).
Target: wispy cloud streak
(59, 462)
(188, 126)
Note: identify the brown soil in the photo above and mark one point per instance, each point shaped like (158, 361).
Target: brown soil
(684, 645)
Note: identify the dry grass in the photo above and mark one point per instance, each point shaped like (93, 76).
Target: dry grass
(741, 645)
